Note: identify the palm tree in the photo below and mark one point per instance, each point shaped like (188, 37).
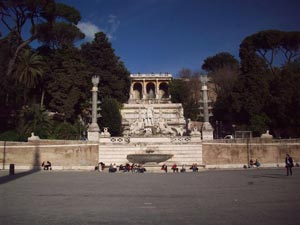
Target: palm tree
(35, 119)
(29, 68)
(29, 71)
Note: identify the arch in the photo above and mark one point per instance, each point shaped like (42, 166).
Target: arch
(137, 91)
(150, 90)
(164, 90)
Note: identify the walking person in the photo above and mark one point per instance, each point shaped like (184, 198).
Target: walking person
(289, 164)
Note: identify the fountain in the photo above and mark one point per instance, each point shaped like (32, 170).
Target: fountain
(148, 157)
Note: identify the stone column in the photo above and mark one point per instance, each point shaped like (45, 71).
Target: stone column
(207, 130)
(144, 90)
(157, 89)
(93, 130)
(131, 97)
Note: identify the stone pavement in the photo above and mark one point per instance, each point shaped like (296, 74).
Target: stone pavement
(241, 197)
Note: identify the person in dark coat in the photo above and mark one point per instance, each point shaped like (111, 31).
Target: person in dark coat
(289, 164)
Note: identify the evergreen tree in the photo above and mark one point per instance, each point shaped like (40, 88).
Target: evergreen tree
(111, 116)
(102, 61)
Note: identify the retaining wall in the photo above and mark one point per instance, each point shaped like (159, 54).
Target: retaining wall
(62, 154)
(235, 154)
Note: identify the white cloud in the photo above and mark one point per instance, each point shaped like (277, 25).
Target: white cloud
(89, 29)
(113, 25)
(109, 26)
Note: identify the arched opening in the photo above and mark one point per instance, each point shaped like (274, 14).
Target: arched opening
(137, 91)
(164, 90)
(150, 90)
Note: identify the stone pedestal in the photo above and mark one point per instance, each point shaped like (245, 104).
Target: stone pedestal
(207, 131)
(93, 136)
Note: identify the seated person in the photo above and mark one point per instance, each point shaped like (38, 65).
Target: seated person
(164, 167)
(182, 169)
(141, 169)
(127, 168)
(174, 168)
(257, 163)
(47, 165)
(112, 168)
(251, 164)
(194, 167)
(102, 165)
(121, 167)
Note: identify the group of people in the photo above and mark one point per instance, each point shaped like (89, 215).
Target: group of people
(138, 168)
(252, 164)
(134, 168)
(175, 169)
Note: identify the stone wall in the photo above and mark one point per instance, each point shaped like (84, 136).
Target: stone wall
(62, 154)
(236, 155)
(186, 150)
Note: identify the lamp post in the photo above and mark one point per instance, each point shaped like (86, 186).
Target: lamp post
(233, 126)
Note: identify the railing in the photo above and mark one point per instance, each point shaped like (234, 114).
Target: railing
(120, 140)
(254, 140)
(181, 139)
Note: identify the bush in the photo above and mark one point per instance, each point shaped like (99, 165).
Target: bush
(10, 135)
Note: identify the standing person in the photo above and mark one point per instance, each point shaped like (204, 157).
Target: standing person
(289, 164)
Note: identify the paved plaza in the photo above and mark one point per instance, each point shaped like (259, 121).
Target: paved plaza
(241, 197)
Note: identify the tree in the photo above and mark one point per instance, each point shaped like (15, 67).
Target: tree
(65, 131)
(38, 15)
(34, 119)
(284, 103)
(68, 83)
(111, 116)
(263, 47)
(29, 69)
(181, 93)
(223, 68)
(102, 61)
(220, 61)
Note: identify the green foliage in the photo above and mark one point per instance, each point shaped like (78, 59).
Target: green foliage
(219, 61)
(111, 116)
(259, 124)
(258, 51)
(34, 119)
(29, 69)
(60, 35)
(102, 61)
(10, 135)
(65, 131)
(68, 83)
(67, 13)
(181, 93)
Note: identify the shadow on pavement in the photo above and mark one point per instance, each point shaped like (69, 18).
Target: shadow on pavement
(276, 176)
(35, 165)
(9, 178)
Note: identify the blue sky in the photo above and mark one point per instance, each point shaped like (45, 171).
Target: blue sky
(167, 35)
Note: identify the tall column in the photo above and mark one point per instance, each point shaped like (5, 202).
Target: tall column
(207, 130)
(205, 103)
(93, 130)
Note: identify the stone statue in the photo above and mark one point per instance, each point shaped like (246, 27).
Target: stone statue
(149, 116)
(195, 132)
(137, 126)
(163, 128)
